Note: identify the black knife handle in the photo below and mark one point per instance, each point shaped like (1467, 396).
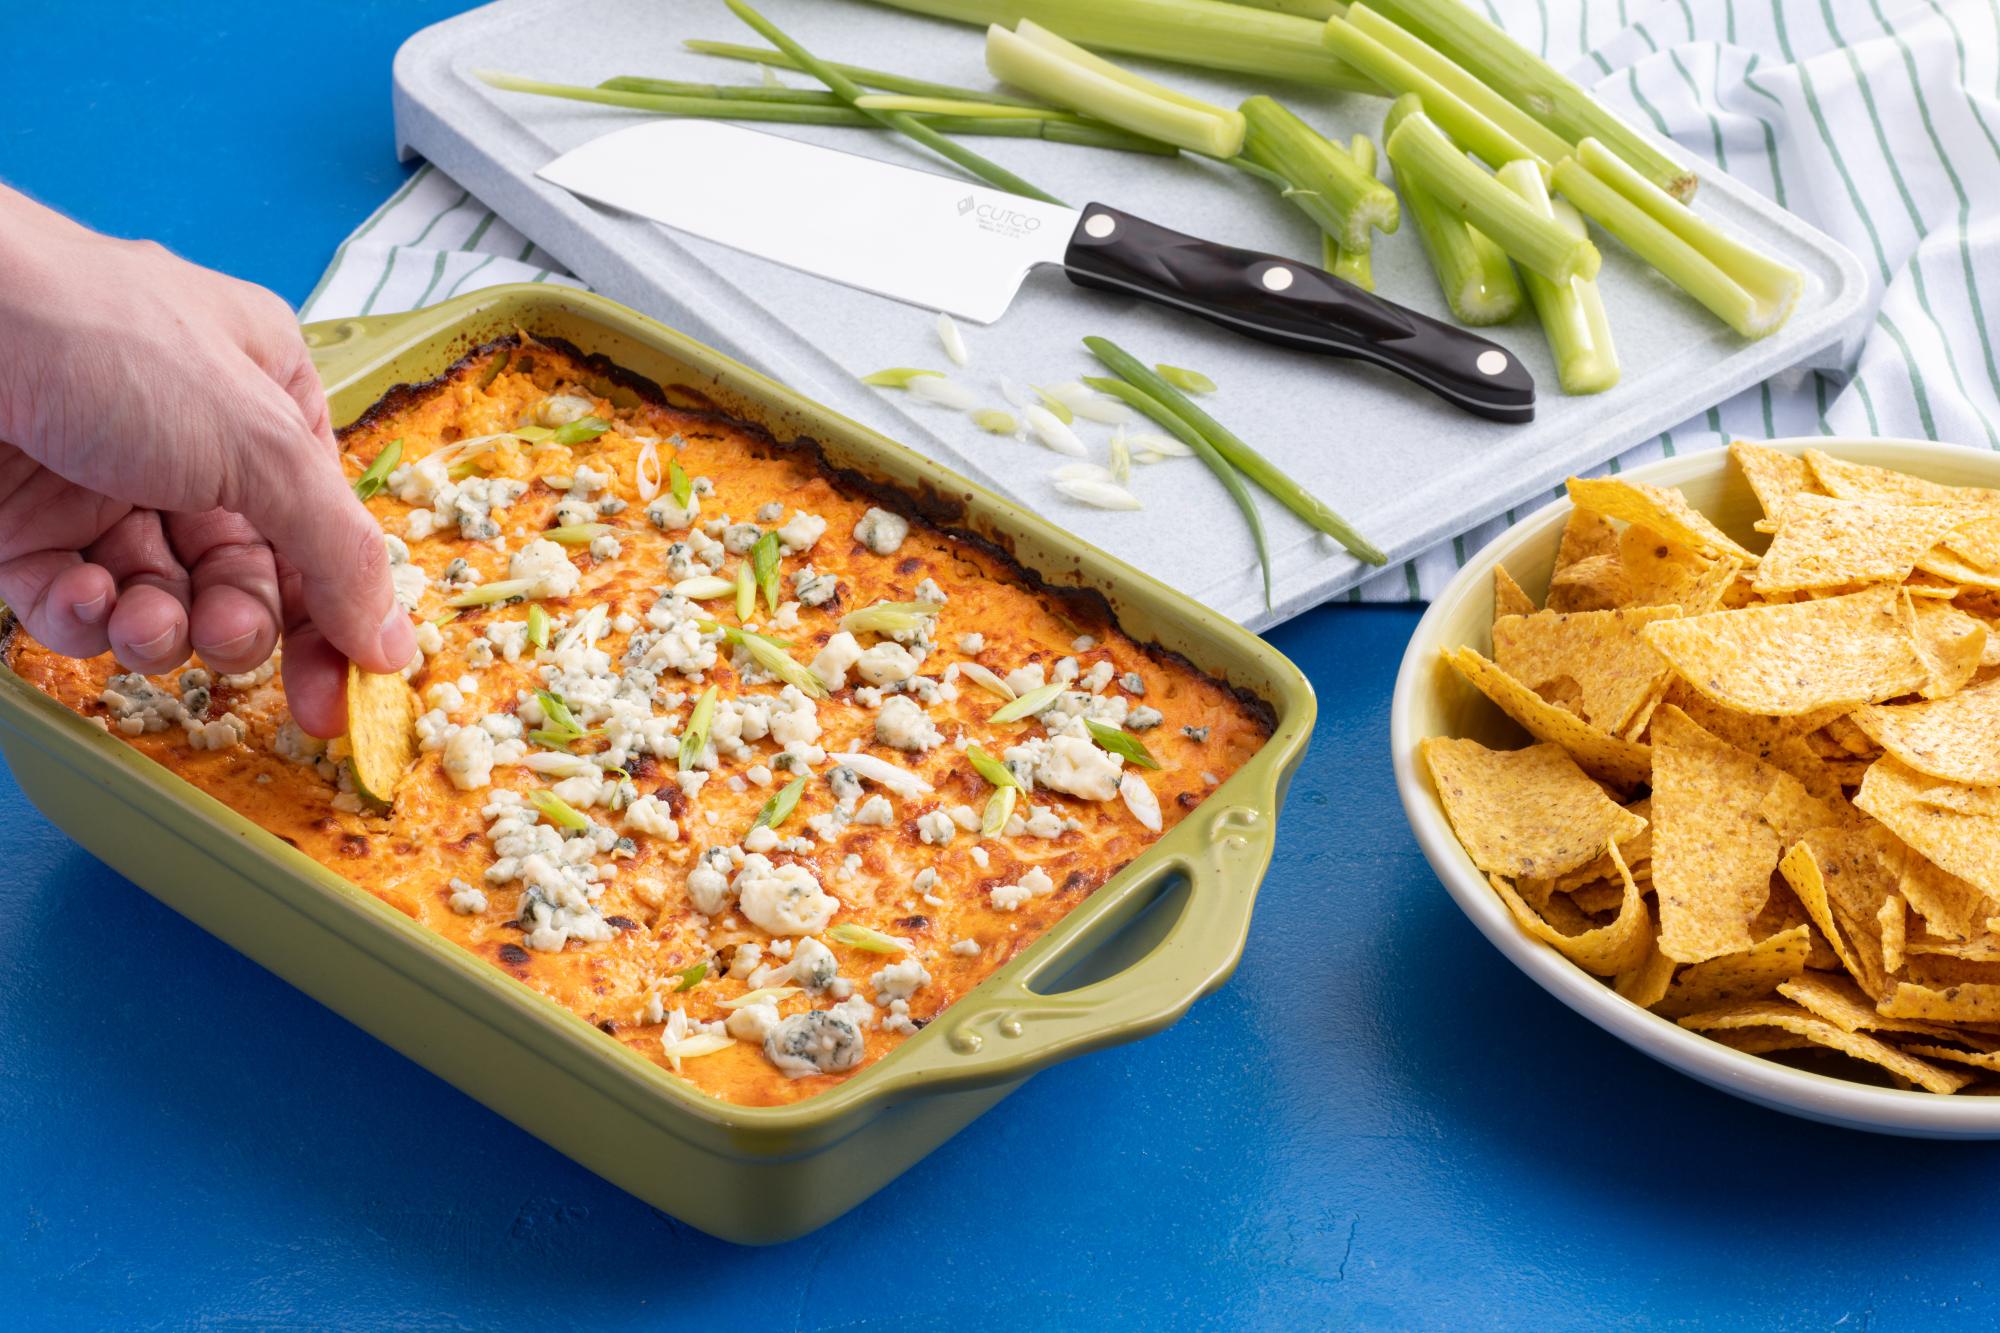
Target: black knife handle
(1295, 305)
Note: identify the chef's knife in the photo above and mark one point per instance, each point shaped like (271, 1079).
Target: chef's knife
(964, 249)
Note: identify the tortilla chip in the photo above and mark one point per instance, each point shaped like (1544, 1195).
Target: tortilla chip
(1774, 476)
(1978, 949)
(1823, 542)
(1735, 977)
(1713, 849)
(1956, 738)
(1586, 538)
(1523, 812)
(1605, 951)
(1848, 922)
(1759, 1041)
(1508, 598)
(1595, 898)
(1892, 923)
(1977, 542)
(1622, 763)
(1970, 1003)
(1660, 508)
(1840, 1002)
(1988, 1060)
(1949, 643)
(381, 731)
(1604, 652)
(1785, 660)
(1645, 984)
(1859, 481)
(1942, 564)
(1657, 571)
(1942, 821)
(1791, 1018)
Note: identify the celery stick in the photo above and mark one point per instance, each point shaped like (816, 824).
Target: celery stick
(1468, 127)
(1326, 184)
(1037, 61)
(1517, 74)
(1209, 34)
(867, 78)
(1421, 153)
(1354, 266)
(1538, 138)
(1572, 314)
(1477, 280)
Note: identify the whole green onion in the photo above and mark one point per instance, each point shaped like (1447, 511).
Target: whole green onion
(869, 78)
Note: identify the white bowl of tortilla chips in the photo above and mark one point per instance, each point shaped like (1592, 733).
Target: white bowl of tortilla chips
(1721, 771)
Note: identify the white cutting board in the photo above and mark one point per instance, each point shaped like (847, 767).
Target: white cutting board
(1405, 468)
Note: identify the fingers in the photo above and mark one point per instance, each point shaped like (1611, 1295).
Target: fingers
(64, 602)
(148, 629)
(292, 489)
(234, 614)
(315, 677)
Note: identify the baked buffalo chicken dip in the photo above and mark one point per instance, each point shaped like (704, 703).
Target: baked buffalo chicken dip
(750, 768)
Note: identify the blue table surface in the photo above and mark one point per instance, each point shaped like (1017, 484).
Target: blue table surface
(1377, 1123)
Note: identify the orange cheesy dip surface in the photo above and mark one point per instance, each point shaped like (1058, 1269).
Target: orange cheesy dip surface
(754, 848)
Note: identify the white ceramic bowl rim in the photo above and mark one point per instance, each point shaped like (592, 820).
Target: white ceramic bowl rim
(1767, 1082)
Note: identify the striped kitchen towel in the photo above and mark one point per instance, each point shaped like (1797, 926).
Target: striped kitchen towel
(1873, 119)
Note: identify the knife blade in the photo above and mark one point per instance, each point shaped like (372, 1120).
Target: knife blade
(965, 249)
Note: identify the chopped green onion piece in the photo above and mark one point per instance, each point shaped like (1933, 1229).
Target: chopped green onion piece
(1475, 275)
(376, 475)
(532, 434)
(443, 618)
(1750, 292)
(1029, 704)
(1188, 381)
(557, 712)
(690, 975)
(1121, 742)
(995, 772)
(898, 377)
(1037, 61)
(581, 431)
(538, 626)
(460, 471)
(1516, 75)
(889, 617)
(762, 995)
(678, 484)
(870, 941)
(780, 806)
(1239, 454)
(846, 89)
(870, 78)
(985, 679)
(1423, 154)
(704, 588)
(694, 739)
(504, 590)
(764, 561)
(769, 653)
(996, 422)
(494, 367)
(746, 591)
(1058, 409)
(1572, 315)
(999, 809)
(556, 810)
(577, 534)
(1325, 183)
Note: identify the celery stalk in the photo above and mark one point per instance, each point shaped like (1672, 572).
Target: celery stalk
(1354, 266)
(1420, 152)
(1326, 184)
(1209, 34)
(1572, 314)
(1475, 275)
(1531, 83)
(1538, 138)
(1748, 290)
(1470, 128)
(867, 78)
(1037, 61)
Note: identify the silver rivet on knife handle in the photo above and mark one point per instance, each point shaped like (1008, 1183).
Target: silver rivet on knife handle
(1491, 362)
(1277, 278)
(1099, 225)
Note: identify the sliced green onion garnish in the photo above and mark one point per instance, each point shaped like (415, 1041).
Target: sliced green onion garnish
(996, 422)
(746, 591)
(538, 626)
(1029, 704)
(486, 594)
(581, 431)
(870, 941)
(769, 653)
(1190, 381)
(999, 809)
(779, 808)
(1058, 409)
(695, 738)
(443, 618)
(764, 562)
(494, 367)
(532, 434)
(577, 534)
(990, 768)
(762, 995)
(897, 377)
(691, 975)
(556, 810)
(557, 712)
(985, 679)
(678, 484)
(1121, 742)
(889, 617)
(376, 475)
(704, 588)
(460, 471)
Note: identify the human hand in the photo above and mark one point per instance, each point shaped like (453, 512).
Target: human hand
(170, 479)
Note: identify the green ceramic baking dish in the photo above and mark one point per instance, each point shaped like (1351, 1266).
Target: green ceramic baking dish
(1130, 960)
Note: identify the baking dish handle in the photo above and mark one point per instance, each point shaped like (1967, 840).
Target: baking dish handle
(1008, 1032)
(339, 347)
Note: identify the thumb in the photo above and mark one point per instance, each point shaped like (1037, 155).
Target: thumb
(292, 490)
